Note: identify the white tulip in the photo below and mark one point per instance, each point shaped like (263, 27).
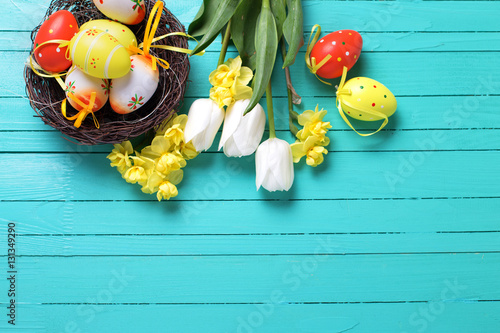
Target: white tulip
(274, 165)
(204, 120)
(241, 135)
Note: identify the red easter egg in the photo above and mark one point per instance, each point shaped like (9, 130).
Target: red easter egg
(344, 46)
(61, 25)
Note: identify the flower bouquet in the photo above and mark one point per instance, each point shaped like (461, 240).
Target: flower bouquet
(260, 30)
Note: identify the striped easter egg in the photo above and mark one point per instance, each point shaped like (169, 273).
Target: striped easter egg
(99, 54)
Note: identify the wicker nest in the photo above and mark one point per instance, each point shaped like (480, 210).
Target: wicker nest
(46, 95)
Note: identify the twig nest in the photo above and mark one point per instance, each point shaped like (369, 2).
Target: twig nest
(46, 95)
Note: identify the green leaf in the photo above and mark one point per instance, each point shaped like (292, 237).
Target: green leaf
(293, 31)
(202, 20)
(243, 30)
(266, 44)
(222, 15)
(279, 12)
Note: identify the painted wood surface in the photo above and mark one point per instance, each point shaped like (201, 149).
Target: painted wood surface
(399, 232)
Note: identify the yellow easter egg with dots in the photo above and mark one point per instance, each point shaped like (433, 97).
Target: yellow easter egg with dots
(99, 54)
(365, 99)
(121, 32)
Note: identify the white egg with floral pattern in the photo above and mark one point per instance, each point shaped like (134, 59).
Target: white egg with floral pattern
(80, 86)
(129, 93)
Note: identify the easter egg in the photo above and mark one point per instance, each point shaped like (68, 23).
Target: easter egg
(61, 25)
(344, 46)
(125, 11)
(121, 32)
(99, 54)
(130, 92)
(363, 98)
(82, 85)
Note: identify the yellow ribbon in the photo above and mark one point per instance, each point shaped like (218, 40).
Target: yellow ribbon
(149, 39)
(341, 91)
(174, 48)
(149, 34)
(312, 63)
(82, 114)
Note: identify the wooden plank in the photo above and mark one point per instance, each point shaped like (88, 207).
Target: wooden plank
(429, 140)
(372, 41)
(466, 73)
(376, 175)
(374, 16)
(336, 217)
(248, 279)
(435, 317)
(434, 112)
(207, 245)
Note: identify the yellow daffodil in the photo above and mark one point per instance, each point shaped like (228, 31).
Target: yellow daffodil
(230, 73)
(314, 155)
(157, 168)
(313, 124)
(166, 155)
(187, 150)
(173, 129)
(230, 82)
(119, 156)
(169, 162)
(140, 171)
(166, 191)
(312, 148)
(222, 96)
(240, 91)
(175, 134)
(164, 185)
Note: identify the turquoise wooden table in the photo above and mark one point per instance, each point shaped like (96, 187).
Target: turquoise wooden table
(398, 232)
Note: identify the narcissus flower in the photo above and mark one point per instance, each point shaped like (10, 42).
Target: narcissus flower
(274, 165)
(164, 185)
(187, 150)
(229, 82)
(204, 120)
(157, 168)
(241, 135)
(313, 124)
(140, 171)
(119, 156)
(174, 130)
(222, 96)
(167, 158)
(231, 73)
(311, 148)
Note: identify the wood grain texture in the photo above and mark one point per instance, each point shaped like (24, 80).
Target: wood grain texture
(277, 318)
(398, 232)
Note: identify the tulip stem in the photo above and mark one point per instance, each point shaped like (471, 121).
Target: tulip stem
(270, 113)
(292, 115)
(225, 44)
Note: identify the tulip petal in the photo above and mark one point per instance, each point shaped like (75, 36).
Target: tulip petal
(249, 133)
(232, 120)
(282, 163)
(261, 163)
(198, 117)
(231, 149)
(271, 184)
(216, 118)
